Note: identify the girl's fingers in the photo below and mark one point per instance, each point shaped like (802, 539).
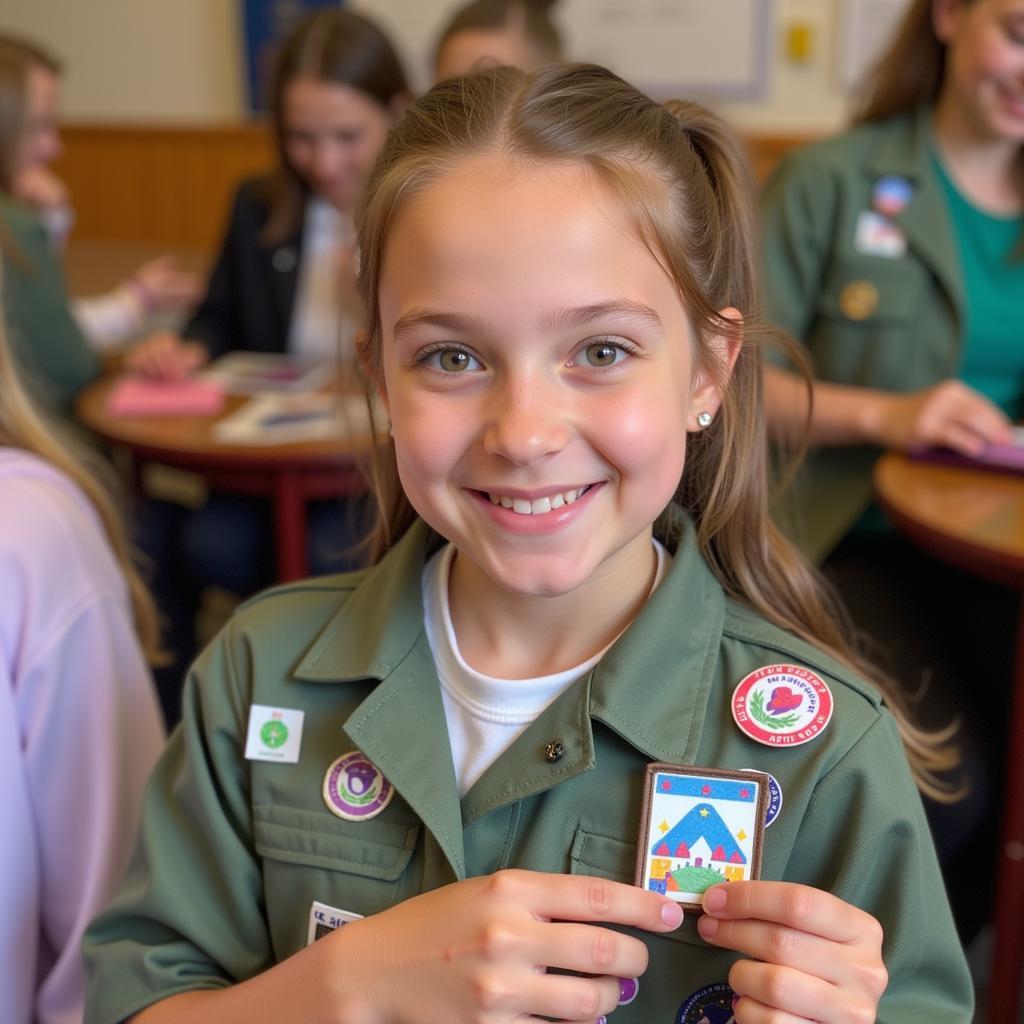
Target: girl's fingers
(562, 997)
(798, 906)
(786, 989)
(589, 949)
(750, 1011)
(585, 898)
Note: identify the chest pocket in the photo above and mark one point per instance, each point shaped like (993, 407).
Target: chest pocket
(358, 866)
(608, 857)
(865, 291)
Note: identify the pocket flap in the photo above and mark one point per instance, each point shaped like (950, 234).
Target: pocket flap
(375, 849)
(608, 857)
(865, 290)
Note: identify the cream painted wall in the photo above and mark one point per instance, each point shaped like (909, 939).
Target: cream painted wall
(154, 60)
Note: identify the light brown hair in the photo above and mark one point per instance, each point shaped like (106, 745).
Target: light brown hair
(682, 177)
(337, 47)
(908, 75)
(529, 18)
(23, 426)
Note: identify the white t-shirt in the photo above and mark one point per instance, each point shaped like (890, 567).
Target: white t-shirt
(319, 327)
(485, 714)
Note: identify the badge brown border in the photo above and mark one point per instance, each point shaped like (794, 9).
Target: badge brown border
(717, 773)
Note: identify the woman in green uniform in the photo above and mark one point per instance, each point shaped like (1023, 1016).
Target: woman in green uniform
(895, 253)
(420, 792)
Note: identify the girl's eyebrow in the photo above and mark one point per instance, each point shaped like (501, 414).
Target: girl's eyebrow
(626, 308)
(578, 316)
(457, 322)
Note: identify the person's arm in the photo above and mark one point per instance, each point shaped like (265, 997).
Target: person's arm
(50, 348)
(950, 414)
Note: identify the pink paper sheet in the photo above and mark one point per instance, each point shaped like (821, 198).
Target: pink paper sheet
(135, 396)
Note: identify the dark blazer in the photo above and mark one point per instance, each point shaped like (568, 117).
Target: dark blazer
(251, 294)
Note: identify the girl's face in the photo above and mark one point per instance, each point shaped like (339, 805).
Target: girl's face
(332, 135)
(40, 140)
(539, 374)
(985, 63)
(473, 49)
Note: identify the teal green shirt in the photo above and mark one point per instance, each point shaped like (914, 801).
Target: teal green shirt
(992, 356)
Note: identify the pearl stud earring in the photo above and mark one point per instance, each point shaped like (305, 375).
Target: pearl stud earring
(704, 420)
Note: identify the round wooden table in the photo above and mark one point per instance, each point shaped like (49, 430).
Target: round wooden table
(974, 519)
(289, 474)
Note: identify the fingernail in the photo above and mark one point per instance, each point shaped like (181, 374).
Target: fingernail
(707, 926)
(602, 1020)
(628, 988)
(671, 914)
(714, 899)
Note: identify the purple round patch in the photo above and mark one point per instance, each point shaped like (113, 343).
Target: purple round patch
(711, 1004)
(629, 988)
(355, 789)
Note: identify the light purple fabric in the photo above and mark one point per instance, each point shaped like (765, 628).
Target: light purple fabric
(79, 733)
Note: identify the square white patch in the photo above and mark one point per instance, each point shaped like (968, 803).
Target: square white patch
(275, 734)
(324, 919)
(878, 236)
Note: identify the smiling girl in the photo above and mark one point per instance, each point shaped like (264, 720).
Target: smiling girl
(576, 578)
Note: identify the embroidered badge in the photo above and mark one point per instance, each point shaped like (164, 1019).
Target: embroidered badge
(782, 705)
(876, 235)
(774, 804)
(700, 827)
(355, 789)
(712, 1004)
(858, 300)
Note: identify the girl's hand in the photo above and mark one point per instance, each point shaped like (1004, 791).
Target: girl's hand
(165, 287)
(165, 356)
(950, 414)
(479, 950)
(815, 958)
(39, 188)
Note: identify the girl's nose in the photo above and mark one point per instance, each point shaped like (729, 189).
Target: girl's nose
(525, 424)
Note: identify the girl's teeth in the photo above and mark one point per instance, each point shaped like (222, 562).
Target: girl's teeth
(537, 507)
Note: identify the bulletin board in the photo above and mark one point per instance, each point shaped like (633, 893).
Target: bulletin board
(715, 49)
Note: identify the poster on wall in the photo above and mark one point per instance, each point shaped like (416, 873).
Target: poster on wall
(264, 24)
(863, 30)
(685, 48)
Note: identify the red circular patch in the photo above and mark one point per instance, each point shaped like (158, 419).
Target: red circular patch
(782, 705)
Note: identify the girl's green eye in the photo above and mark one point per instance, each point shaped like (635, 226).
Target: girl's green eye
(453, 360)
(601, 353)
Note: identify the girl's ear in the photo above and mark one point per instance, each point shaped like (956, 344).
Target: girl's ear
(709, 382)
(946, 19)
(362, 347)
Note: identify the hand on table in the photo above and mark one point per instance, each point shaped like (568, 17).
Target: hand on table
(165, 356)
(165, 287)
(478, 950)
(814, 957)
(950, 414)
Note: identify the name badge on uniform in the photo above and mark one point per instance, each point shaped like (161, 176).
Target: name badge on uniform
(700, 827)
(275, 734)
(876, 235)
(324, 919)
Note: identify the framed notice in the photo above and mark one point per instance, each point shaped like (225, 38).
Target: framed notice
(713, 49)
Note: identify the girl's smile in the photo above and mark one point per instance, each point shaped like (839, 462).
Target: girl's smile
(539, 375)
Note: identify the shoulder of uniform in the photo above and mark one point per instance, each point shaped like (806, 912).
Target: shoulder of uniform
(769, 643)
(838, 154)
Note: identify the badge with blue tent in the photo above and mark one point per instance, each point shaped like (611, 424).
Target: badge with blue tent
(700, 827)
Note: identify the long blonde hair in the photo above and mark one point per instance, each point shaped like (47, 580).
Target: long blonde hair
(682, 177)
(23, 426)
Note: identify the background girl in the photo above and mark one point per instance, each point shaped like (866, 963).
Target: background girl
(894, 253)
(284, 281)
(79, 725)
(557, 273)
(485, 33)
